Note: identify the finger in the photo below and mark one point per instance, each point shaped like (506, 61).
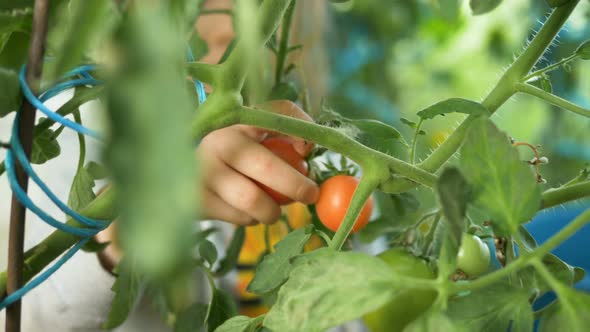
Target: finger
(258, 163)
(216, 208)
(243, 194)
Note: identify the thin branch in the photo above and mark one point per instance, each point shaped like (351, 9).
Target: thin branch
(26, 125)
(554, 197)
(204, 72)
(552, 99)
(550, 67)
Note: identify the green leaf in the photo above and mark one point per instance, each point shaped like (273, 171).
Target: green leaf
(396, 211)
(10, 98)
(409, 123)
(198, 45)
(13, 54)
(11, 21)
(584, 50)
(191, 319)
(328, 288)
(79, 25)
(453, 105)
(479, 7)
(16, 4)
(93, 246)
(557, 3)
(96, 170)
(81, 193)
(571, 313)
(449, 9)
(45, 147)
(223, 308)
(233, 251)
(284, 90)
(505, 187)
(241, 324)
(433, 321)
(526, 237)
(275, 267)
(208, 251)
(496, 308)
(559, 269)
(376, 134)
(127, 288)
(543, 83)
(454, 193)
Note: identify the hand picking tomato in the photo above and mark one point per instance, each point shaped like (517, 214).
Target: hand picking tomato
(408, 304)
(283, 149)
(335, 197)
(473, 257)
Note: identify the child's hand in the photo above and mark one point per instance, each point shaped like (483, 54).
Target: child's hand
(232, 158)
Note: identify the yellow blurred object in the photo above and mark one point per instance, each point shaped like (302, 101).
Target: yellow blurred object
(298, 216)
(439, 137)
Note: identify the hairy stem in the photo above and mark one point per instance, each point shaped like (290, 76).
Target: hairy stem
(550, 67)
(368, 183)
(526, 258)
(553, 197)
(552, 99)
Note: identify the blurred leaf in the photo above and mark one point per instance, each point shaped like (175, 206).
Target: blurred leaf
(151, 152)
(45, 147)
(557, 3)
(409, 123)
(241, 324)
(527, 238)
(191, 319)
(276, 266)
(81, 193)
(232, 253)
(15, 48)
(198, 45)
(453, 105)
(395, 210)
(454, 193)
(543, 83)
(479, 7)
(10, 98)
(312, 299)
(496, 308)
(127, 290)
(377, 135)
(79, 25)
(11, 21)
(433, 321)
(571, 312)
(93, 246)
(223, 308)
(96, 170)
(504, 186)
(284, 90)
(208, 252)
(584, 50)
(449, 9)
(559, 269)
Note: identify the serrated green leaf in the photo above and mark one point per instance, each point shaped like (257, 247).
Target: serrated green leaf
(127, 289)
(191, 319)
(571, 313)
(241, 324)
(233, 251)
(321, 283)
(81, 193)
(505, 187)
(584, 50)
(479, 7)
(275, 267)
(453, 105)
(223, 308)
(45, 147)
(433, 321)
(10, 98)
(496, 308)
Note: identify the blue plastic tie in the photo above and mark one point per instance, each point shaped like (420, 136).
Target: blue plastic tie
(199, 87)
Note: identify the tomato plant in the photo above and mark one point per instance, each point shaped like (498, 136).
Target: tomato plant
(427, 180)
(283, 148)
(335, 197)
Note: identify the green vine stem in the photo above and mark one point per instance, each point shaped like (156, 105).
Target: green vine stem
(505, 87)
(283, 50)
(204, 72)
(336, 141)
(368, 183)
(553, 197)
(552, 99)
(38, 257)
(550, 67)
(526, 258)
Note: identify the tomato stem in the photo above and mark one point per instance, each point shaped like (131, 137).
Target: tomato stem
(552, 99)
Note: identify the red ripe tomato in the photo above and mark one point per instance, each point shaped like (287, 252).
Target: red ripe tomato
(283, 149)
(335, 197)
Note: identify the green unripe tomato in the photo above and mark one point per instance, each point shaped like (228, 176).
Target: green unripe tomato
(473, 257)
(408, 304)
